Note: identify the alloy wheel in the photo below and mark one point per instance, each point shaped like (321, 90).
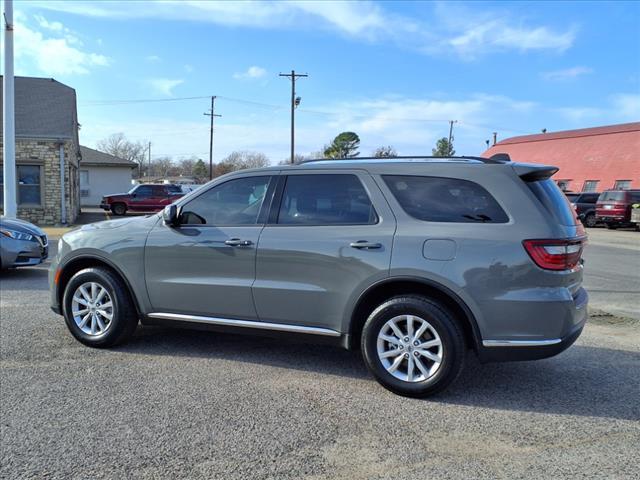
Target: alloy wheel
(409, 348)
(92, 308)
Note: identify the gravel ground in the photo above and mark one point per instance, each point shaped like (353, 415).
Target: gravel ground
(187, 404)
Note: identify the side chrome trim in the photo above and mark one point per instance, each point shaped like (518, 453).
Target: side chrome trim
(520, 343)
(282, 327)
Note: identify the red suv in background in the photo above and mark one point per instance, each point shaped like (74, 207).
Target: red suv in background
(614, 207)
(142, 198)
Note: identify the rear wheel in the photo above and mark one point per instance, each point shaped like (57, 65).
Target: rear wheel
(413, 346)
(590, 220)
(119, 208)
(98, 308)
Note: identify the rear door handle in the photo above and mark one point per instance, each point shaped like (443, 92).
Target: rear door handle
(236, 242)
(365, 245)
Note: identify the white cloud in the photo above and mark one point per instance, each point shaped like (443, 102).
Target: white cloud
(484, 31)
(251, 73)
(61, 53)
(627, 105)
(153, 58)
(54, 26)
(164, 86)
(566, 74)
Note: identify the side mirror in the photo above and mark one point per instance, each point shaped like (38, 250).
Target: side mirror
(170, 215)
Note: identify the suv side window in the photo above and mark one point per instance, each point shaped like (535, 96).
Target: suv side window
(144, 191)
(325, 199)
(235, 202)
(437, 199)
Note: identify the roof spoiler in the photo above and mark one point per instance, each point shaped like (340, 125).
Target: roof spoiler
(533, 173)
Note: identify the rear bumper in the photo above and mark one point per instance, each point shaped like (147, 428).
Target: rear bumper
(519, 348)
(515, 352)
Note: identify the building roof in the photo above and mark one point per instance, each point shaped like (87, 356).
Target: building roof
(44, 108)
(604, 154)
(98, 158)
(582, 132)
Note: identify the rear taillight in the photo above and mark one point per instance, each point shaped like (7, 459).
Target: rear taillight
(555, 254)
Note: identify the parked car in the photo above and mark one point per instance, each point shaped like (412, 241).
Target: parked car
(635, 215)
(585, 206)
(142, 198)
(413, 260)
(21, 243)
(614, 207)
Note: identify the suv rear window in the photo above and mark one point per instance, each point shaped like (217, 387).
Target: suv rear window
(325, 199)
(612, 197)
(437, 199)
(554, 201)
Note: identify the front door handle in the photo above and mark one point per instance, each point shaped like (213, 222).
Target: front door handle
(365, 245)
(236, 242)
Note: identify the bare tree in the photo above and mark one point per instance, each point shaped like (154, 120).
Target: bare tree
(296, 160)
(239, 161)
(163, 167)
(118, 145)
(385, 152)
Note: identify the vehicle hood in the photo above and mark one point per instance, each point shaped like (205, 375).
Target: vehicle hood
(20, 226)
(119, 223)
(110, 195)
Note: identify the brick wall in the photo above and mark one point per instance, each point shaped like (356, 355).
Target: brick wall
(46, 155)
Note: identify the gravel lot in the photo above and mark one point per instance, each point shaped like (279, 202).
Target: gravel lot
(187, 404)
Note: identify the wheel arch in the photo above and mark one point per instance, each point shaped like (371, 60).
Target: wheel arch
(77, 263)
(390, 287)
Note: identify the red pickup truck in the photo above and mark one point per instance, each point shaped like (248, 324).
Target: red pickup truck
(142, 198)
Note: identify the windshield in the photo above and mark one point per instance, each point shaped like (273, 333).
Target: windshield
(612, 197)
(133, 189)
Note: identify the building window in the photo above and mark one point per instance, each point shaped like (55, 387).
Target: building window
(622, 185)
(29, 192)
(29, 185)
(590, 186)
(84, 178)
(563, 185)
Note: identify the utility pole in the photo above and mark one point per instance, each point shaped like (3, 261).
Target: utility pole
(451, 122)
(212, 114)
(149, 172)
(295, 101)
(8, 129)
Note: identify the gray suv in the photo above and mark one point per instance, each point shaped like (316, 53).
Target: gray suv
(413, 260)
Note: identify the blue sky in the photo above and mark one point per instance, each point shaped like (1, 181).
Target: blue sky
(393, 72)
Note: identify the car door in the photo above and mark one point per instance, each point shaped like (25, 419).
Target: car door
(329, 236)
(206, 265)
(140, 198)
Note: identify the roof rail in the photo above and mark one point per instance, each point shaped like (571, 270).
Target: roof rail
(497, 158)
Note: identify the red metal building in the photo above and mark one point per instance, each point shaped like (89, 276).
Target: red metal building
(590, 159)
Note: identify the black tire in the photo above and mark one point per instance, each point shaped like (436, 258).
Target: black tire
(612, 226)
(119, 209)
(442, 321)
(124, 316)
(590, 220)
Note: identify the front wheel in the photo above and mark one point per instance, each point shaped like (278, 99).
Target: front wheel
(98, 308)
(413, 346)
(119, 209)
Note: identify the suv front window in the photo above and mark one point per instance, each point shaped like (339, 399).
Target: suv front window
(236, 202)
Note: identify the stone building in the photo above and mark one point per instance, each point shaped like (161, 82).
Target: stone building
(46, 144)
